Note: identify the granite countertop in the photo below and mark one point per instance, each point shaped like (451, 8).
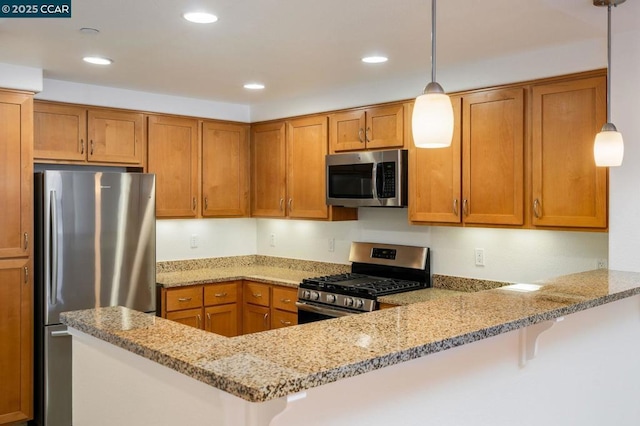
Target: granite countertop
(417, 296)
(267, 274)
(259, 367)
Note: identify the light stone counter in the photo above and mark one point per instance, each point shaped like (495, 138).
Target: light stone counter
(276, 363)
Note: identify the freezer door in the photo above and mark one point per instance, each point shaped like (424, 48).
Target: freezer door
(57, 376)
(99, 241)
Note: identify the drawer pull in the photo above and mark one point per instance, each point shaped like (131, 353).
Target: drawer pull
(184, 299)
(257, 295)
(285, 300)
(221, 294)
(209, 319)
(283, 322)
(199, 320)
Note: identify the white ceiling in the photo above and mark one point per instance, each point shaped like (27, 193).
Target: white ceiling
(292, 46)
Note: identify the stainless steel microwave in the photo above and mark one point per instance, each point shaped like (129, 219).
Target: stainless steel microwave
(367, 178)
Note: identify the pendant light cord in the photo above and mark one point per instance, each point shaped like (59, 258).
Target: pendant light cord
(609, 63)
(433, 40)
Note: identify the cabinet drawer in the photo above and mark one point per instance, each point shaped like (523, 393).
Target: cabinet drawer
(219, 294)
(184, 298)
(281, 319)
(285, 298)
(256, 293)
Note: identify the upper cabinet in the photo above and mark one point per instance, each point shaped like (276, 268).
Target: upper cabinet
(268, 170)
(173, 157)
(371, 128)
(568, 190)
(479, 179)
(225, 169)
(74, 134)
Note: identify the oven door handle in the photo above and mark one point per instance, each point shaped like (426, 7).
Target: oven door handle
(323, 310)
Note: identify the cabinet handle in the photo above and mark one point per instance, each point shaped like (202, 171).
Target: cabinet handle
(220, 294)
(209, 319)
(206, 203)
(82, 146)
(285, 300)
(455, 207)
(290, 204)
(194, 203)
(91, 152)
(366, 134)
(283, 322)
(465, 207)
(281, 204)
(184, 299)
(26, 241)
(257, 295)
(198, 320)
(360, 135)
(26, 275)
(536, 208)
(266, 318)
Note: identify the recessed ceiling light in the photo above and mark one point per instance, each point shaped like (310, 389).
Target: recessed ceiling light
(375, 59)
(200, 17)
(254, 86)
(97, 60)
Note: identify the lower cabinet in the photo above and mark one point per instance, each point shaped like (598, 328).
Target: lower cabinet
(231, 308)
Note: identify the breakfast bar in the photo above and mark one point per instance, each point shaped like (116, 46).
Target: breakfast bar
(563, 342)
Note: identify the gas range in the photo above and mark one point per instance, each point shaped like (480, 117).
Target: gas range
(377, 270)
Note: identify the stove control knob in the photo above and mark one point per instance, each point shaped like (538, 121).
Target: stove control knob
(306, 294)
(314, 295)
(331, 298)
(348, 301)
(359, 303)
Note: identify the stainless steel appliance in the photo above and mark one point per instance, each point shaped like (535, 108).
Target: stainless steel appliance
(95, 246)
(370, 178)
(376, 270)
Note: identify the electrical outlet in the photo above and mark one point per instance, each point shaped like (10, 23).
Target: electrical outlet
(193, 242)
(479, 252)
(332, 244)
(272, 240)
(602, 264)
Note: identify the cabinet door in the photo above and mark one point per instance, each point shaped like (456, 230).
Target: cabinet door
(385, 127)
(284, 298)
(222, 294)
(173, 157)
(257, 293)
(255, 318)
(190, 317)
(435, 177)
(225, 170)
(222, 319)
(16, 174)
(183, 298)
(268, 170)
(16, 335)
(60, 132)
(116, 137)
(281, 319)
(493, 157)
(306, 151)
(347, 131)
(568, 190)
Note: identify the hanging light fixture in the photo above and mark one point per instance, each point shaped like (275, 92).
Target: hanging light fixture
(608, 148)
(432, 120)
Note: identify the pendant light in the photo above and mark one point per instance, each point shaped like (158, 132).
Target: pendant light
(608, 148)
(432, 120)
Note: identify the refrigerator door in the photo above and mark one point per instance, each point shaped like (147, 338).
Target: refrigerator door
(57, 376)
(98, 241)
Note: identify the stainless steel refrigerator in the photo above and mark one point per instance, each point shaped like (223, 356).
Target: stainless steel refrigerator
(95, 246)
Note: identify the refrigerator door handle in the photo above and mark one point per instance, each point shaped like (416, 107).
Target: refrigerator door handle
(62, 333)
(53, 249)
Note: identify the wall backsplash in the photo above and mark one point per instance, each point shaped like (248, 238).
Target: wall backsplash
(510, 254)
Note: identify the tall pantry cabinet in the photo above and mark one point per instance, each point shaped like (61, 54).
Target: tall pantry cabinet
(16, 264)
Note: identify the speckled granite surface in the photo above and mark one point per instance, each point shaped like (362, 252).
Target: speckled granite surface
(271, 364)
(417, 296)
(448, 282)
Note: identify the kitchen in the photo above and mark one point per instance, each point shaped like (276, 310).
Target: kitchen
(511, 255)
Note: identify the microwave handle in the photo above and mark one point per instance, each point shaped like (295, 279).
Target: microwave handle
(374, 181)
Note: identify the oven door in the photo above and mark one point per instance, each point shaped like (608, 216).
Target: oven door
(309, 312)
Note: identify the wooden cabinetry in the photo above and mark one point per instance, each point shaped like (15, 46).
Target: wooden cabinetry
(173, 157)
(225, 169)
(480, 178)
(568, 190)
(268, 307)
(16, 271)
(288, 171)
(71, 133)
(283, 307)
(370, 128)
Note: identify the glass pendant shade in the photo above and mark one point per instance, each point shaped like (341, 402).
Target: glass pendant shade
(432, 121)
(608, 148)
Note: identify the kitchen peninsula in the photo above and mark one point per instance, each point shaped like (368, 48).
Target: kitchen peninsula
(472, 358)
